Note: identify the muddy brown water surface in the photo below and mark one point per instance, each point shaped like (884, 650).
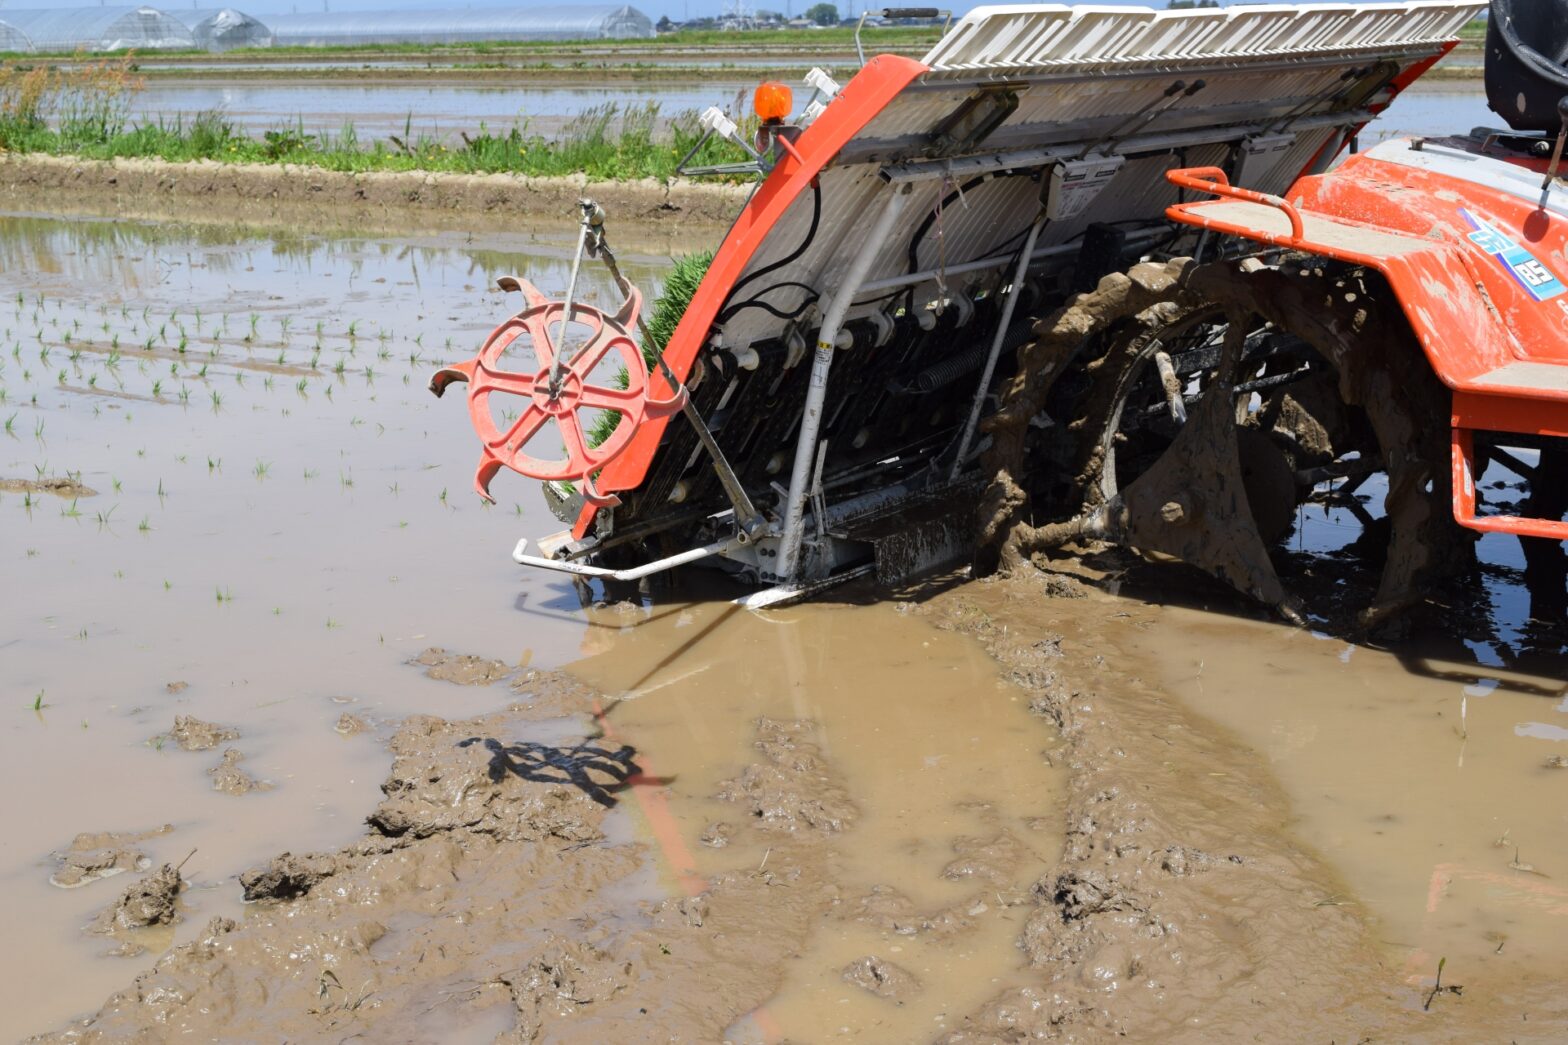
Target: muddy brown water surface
(971, 812)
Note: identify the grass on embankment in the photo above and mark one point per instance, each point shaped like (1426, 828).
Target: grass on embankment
(809, 40)
(83, 111)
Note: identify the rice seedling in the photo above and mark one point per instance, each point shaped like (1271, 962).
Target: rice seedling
(71, 512)
(224, 595)
(261, 469)
(144, 527)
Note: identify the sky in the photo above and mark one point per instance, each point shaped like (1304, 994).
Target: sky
(676, 9)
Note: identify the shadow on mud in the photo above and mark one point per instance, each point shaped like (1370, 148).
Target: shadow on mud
(575, 765)
(1497, 616)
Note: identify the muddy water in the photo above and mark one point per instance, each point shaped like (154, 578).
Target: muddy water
(958, 806)
(272, 536)
(1423, 777)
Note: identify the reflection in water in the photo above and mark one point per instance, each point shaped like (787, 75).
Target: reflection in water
(941, 758)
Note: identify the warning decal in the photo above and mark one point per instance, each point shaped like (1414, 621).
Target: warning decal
(1531, 273)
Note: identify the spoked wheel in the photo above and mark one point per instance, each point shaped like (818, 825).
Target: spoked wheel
(556, 385)
(1235, 394)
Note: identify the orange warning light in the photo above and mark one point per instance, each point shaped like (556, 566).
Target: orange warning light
(773, 101)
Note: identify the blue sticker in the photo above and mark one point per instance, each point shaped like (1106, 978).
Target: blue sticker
(1531, 273)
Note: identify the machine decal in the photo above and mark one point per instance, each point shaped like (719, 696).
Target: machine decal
(1525, 267)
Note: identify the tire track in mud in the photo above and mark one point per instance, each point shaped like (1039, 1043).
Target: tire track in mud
(1184, 909)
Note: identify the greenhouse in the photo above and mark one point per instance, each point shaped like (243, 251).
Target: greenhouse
(222, 29)
(100, 29)
(12, 38)
(322, 29)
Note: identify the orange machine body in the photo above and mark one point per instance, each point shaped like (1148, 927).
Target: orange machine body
(1478, 264)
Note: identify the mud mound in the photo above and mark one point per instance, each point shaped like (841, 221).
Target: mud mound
(882, 978)
(150, 901)
(229, 778)
(790, 788)
(192, 734)
(71, 488)
(103, 854)
(486, 891)
(227, 191)
(464, 669)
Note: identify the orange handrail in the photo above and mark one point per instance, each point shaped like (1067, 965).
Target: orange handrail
(1213, 181)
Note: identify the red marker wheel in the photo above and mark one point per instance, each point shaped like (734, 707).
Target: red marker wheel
(562, 406)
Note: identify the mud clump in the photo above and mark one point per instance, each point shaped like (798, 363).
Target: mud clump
(60, 487)
(288, 876)
(192, 734)
(882, 978)
(95, 855)
(174, 689)
(463, 669)
(789, 788)
(1080, 893)
(348, 725)
(229, 778)
(149, 901)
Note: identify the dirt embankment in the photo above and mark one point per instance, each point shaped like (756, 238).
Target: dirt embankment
(260, 192)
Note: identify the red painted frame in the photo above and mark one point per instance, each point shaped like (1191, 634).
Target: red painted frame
(860, 101)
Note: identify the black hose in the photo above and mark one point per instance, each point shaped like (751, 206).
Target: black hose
(792, 256)
(756, 302)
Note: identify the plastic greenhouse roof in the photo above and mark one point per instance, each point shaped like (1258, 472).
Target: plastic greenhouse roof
(225, 23)
(561, 22)
(106, 28)
(12, 38)
(191, 19)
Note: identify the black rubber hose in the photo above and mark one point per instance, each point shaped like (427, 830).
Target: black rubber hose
(794, 255)
(756, 302)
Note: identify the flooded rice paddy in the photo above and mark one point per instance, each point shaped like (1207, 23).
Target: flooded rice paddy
(403, 108)
(377, 109)
(281, 519)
